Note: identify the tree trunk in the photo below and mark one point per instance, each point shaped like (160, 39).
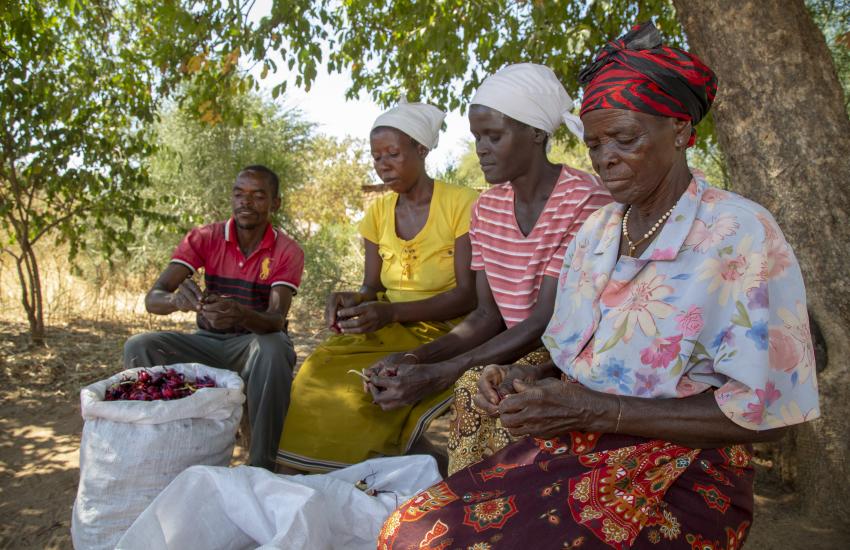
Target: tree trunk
(31, 296)
(781, 122)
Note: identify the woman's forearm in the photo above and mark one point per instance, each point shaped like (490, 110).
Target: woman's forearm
(478, 327)
(695, 421)
(368, 293)
(505, 347)
(442, 307)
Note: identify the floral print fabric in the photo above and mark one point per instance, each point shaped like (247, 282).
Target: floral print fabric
(584, 490)
(716, 301)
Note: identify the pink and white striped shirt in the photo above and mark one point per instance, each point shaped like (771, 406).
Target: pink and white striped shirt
(515, 263)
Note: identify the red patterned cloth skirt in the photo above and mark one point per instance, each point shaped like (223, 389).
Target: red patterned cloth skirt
(584, 490)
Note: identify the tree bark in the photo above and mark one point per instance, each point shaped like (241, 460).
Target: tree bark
(31, 295)
(781, 122)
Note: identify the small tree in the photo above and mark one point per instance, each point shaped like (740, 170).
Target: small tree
(70, 107)
(196, 162)
(79, 83)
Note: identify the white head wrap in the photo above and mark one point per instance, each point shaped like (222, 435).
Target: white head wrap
(418, 120)
(531, 94)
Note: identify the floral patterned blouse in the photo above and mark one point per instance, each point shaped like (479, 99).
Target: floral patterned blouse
(716, 301)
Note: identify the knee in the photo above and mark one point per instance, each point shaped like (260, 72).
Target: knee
(275, 347)
(136, 349)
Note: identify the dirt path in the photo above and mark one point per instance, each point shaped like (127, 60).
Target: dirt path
(40, 428)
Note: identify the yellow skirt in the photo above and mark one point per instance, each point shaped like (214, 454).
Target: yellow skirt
(332, 423)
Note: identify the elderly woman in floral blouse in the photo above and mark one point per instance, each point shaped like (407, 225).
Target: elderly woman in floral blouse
(679, 337)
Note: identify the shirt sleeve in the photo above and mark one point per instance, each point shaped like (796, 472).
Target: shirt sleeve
(765, 347)
(477, 263)
(369, 226)
(191, 250)
(289, 268)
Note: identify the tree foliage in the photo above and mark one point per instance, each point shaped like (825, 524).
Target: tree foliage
(196, 163)
(71, 104)
(80, 81)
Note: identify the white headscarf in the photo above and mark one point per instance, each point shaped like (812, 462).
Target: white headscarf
(418, 120)
(531, 94)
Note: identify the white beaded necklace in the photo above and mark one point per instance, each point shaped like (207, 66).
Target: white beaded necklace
(633, 246)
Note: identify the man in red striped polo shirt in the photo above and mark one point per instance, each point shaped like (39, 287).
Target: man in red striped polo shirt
(251, 272)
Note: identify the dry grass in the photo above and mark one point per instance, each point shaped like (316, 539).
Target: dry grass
(40, 420)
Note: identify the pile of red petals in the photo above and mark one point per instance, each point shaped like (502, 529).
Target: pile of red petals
(153, 386)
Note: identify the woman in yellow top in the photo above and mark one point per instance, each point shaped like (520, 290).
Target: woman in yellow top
(417, 284)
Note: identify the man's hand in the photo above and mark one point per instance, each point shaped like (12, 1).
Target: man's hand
(337, 301)
(187, 297)
(223, 313)
(497, 382)
(547, 407)
(366, 317)
(396, 386)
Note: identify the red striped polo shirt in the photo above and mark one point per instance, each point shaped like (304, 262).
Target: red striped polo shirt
(515, 263)
(278, 260)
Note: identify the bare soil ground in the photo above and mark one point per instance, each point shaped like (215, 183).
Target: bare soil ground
(40, 429)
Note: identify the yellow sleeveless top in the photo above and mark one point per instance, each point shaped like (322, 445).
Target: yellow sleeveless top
(423, 266)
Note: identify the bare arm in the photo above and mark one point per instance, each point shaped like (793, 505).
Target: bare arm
(369, 316)
(338, 301)
(478, 327)
(483, 331)
(506, 346)
(549, 406)
(173, 291)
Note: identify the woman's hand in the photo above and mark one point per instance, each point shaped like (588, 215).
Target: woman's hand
(387, 367)
(366, 317)
(497, 382)
(336, 301)
(399, 385)
(547, 407)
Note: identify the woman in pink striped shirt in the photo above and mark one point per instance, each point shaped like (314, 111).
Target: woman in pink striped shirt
(520, 230)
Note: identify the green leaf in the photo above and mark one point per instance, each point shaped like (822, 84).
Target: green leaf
(741, 318)
(677, 368)
(615, 338)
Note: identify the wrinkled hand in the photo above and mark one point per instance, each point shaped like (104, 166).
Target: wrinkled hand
(497, 382)
(223, 313)
(187, 297)
(548, 407)
(386, 367)
(337, 301)
(400, 385)
(366, 317)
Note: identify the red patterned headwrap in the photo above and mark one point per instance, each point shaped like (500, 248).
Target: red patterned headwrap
(637, 72)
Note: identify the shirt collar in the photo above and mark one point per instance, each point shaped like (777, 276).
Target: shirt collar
(674, 232)
(269, 237)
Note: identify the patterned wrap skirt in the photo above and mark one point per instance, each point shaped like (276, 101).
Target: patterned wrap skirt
(332, 423)
(584, 490)
(473, 435)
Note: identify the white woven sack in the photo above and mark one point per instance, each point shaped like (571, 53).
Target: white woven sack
(130, 450)
(251, 508)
